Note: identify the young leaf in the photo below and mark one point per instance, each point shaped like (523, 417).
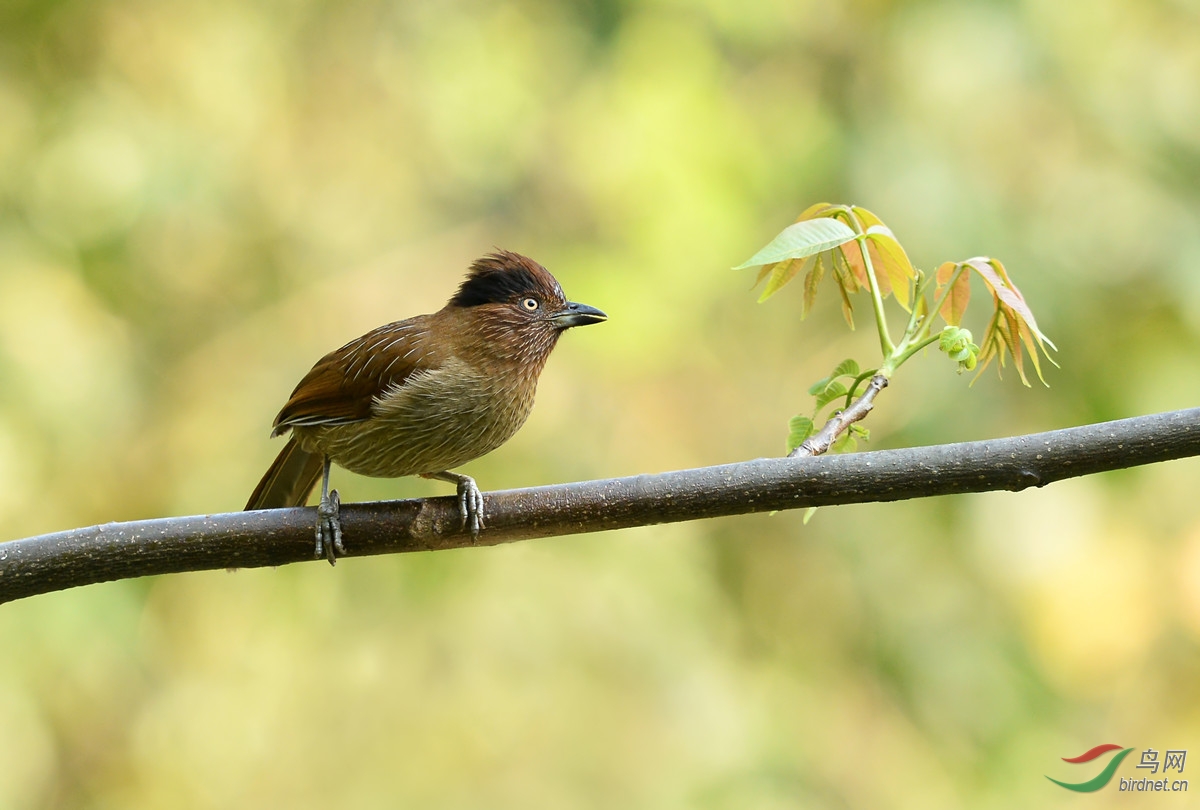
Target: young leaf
(894, 272)
(802, 239)
(816, 269)
(846, 368)
(956, 342)
(854, 258)
(781, 273)
(847, 307)
(799, 429)
(1012, 326)
(997, 279)
(846, 443)
(1000, 339)
(892, 262)
(833, 390)
(866, 218)
(856, 268)
(959, 294)
(847, 283)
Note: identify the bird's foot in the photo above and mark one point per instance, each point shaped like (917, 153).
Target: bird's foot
(329, 528)
(470, 505)
(470, 500)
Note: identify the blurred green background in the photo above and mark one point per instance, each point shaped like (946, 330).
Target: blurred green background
(199, 199)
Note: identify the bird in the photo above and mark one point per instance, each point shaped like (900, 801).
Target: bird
(423, 395)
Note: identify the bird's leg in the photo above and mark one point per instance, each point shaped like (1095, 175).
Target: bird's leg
(329, 522)
(470, 500)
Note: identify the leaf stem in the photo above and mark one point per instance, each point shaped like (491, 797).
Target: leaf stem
(885, 340)
(918, 294)
(857, 382)
(909, 351)
(941, 299)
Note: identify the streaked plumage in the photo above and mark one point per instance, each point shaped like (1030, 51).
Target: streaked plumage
(427, 394)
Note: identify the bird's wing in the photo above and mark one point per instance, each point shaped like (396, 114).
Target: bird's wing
(341, 387)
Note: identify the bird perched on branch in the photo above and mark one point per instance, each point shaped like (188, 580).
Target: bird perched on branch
(423, 395)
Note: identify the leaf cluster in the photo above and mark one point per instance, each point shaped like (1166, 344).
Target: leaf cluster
(817, 245)
(1012, 329)
(854, 247)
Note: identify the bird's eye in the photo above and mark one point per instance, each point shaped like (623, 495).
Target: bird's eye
(529, 304)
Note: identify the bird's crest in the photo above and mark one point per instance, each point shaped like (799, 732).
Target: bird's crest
(502, 276)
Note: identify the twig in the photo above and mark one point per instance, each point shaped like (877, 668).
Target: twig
(823, 439)
(276, 537)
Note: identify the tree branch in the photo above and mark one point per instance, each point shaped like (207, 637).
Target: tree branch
(276, 537)
(823, 439)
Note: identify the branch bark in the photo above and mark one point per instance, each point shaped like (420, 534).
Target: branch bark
(52, 562)
(822, 440)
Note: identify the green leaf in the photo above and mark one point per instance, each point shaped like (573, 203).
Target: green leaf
(846, 368)
(860, 431)
(846, 443)
(832, 391)
(808, 513)
(953, 338)
(956, 342)
(801, 240)
(799, 429)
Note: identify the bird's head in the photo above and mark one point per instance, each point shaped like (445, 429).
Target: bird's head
(514, 304)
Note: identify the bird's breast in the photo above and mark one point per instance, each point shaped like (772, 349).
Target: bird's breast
(436, 420)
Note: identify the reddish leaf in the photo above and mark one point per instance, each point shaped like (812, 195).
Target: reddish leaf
(1012, 341)
(852, 255)
(816, 269)
(879, 268)
(1012, 327)
(997, 279)
(959, 294)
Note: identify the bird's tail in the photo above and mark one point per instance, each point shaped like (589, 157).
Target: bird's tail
(290, 479)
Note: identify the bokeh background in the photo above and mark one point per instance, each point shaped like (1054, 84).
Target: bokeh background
(199, 199)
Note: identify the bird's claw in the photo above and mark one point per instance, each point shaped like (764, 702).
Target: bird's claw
(329, 528)
(470, 506)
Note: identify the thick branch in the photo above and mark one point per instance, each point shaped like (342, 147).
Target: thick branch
(276, 537)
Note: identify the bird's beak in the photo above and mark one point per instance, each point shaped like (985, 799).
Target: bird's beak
(577, 315)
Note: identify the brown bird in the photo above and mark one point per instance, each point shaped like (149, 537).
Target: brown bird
(423, 395)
